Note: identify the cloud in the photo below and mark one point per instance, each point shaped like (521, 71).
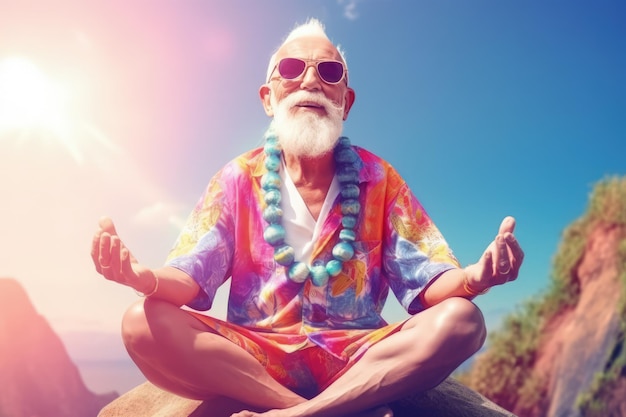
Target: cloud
(160, 213)
(350, 9)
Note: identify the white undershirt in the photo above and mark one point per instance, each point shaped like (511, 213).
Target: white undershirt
(301, 229)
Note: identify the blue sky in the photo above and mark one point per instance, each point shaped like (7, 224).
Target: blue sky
(487, 108)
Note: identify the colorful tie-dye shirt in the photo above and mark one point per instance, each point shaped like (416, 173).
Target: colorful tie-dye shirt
(397, 247)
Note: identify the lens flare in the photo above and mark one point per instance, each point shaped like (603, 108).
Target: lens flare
(34, 105)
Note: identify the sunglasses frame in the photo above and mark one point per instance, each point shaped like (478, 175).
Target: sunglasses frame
(311, 63)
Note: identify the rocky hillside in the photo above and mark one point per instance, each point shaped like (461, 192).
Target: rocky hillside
(37, 377)
(562, 354)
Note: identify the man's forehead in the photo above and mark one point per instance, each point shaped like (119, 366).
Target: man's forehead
(309, 47)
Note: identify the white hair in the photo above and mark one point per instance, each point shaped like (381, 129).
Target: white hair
(311, 28)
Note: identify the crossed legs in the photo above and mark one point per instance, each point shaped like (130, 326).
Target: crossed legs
(180, 354)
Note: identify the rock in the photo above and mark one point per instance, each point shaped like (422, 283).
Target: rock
(449, 399)
(37, 376)
(593, 326)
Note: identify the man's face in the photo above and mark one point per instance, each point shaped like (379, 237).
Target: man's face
(308, 112)
(310, 48)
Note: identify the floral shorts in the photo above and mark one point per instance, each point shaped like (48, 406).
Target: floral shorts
(294, 360)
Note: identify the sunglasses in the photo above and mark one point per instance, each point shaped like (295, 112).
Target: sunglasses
(331, 72)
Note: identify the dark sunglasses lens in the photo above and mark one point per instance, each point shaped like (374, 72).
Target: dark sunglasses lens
(290, 68)
(330, 71)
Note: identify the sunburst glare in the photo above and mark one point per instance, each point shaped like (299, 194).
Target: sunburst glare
(34, 105)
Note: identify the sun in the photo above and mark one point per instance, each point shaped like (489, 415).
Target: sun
(29, 99)
(34, 105)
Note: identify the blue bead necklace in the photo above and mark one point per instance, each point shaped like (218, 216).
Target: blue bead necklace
(274, 233)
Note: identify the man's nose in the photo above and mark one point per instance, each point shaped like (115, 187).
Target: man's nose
(311, 79)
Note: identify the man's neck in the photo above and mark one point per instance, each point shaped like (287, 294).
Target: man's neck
(311, 172)
(312, 177)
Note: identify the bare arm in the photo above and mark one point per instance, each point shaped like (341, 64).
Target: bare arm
(499, 264)
(114, 261)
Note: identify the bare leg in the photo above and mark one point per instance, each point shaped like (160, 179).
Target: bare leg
(428, 348)
(180, 354)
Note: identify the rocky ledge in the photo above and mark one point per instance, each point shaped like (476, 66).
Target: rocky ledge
(449, 399)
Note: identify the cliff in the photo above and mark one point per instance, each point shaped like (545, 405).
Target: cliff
(37, 377)
(562, 354)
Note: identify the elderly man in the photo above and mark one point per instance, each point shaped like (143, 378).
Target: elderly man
(312, 232)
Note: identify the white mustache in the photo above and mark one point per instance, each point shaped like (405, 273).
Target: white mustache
(317, 98)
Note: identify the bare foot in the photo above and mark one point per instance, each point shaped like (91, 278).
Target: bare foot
(382, 411)
(246, 413)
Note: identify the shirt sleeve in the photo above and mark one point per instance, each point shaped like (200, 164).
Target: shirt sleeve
(204, 248)
(415, 252)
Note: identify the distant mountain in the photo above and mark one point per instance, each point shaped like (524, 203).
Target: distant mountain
(102, 360)
(37, 377)
(563, 353)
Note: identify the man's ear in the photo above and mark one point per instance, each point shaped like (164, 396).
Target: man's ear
(349, 101)
(265, 93)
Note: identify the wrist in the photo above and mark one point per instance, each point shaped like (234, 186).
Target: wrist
(470, 287)
(151, 286)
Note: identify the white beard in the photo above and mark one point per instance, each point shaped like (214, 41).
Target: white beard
(306, 134)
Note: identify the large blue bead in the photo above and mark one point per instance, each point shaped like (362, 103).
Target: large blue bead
(334, 267)
(347, 235)
(343, 251)
(272, 196)
(350, 191)
(272, 162)
(319, 276)
(284, 255)
(271, 146)
(349, 222)
(348, 174)
(270, 181)
(343, 142)
(298, 272)
(350, 207)
(273, 214)
(274, 234)
(345, 155)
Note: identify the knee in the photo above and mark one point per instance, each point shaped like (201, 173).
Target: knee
(462, 321)
(141, 326)
(135, 328)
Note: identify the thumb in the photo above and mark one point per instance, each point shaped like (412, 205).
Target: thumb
(106, 224)
(507, 225)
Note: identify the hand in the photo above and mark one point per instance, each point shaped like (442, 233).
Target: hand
(501, 261)
(114, 261)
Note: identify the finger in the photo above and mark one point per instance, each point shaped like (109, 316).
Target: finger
(106, 225)
(126, 266)
(502, 261)
(95, 252)
(517, 255)
(115, 265)
(514, 247)
(488, 269)
(104, 258)
(507, 225)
